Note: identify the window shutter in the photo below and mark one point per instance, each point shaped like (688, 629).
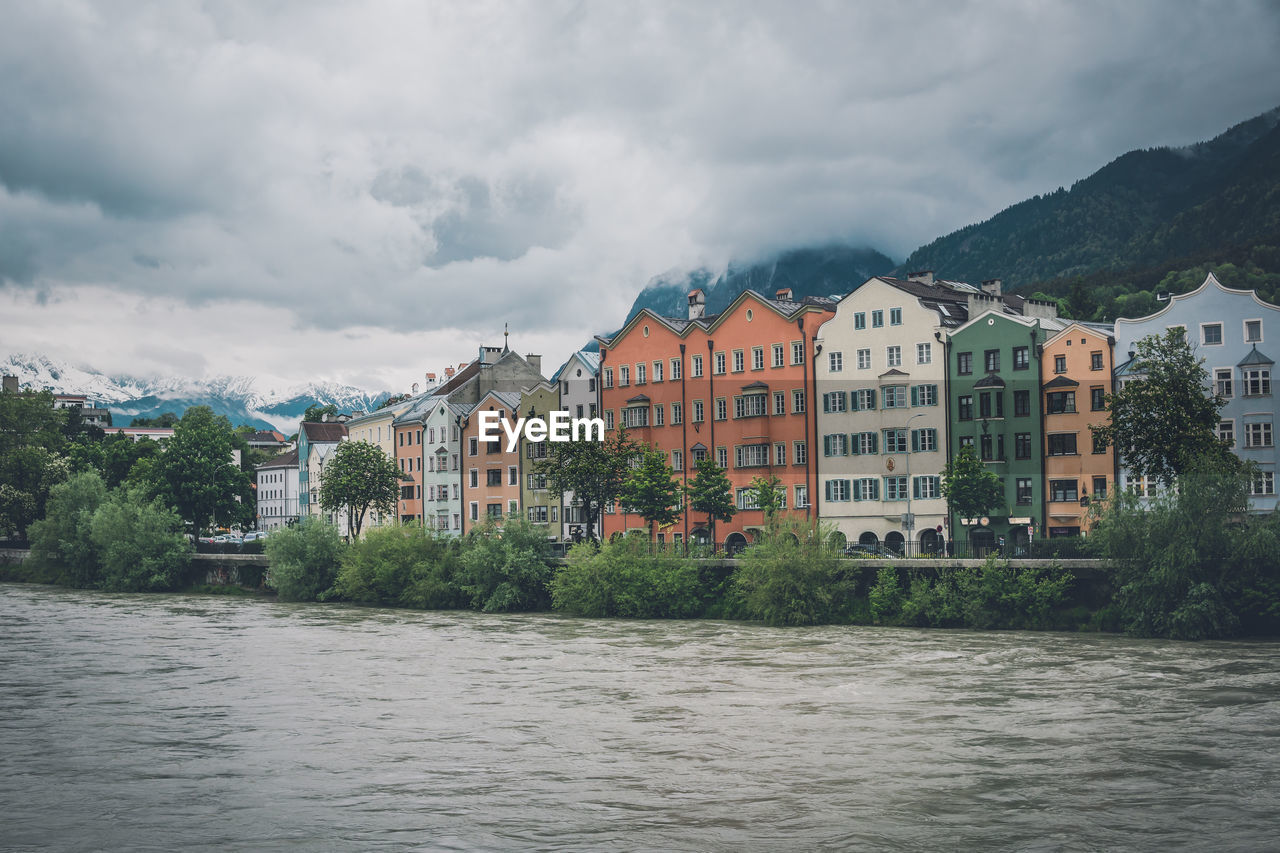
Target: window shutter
(915, 488)
(855, 446)
(828, 489)
(826, 446)
(915, 395)
(915, 439)
(875, 442)
(871, 398)
(826, 403)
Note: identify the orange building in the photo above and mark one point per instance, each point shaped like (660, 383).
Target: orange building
(1075, 376)
(737, 386)
(491, 475)
(408, 438)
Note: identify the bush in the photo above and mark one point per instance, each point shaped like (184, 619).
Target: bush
(401, 567)
(790, 578)
(622, 579)
(62, 542)
(885, 598)
(304, 559)
(504, 568)
(141, 544)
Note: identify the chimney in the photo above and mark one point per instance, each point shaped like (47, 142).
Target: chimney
(448, 373)
(10, 385)
(431, 377)
(697, 304)
(783, 294)
(535, 361)
(923, 276)
(415, 388)
(993, 286)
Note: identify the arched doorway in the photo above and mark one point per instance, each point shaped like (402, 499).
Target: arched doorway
(930, 542)
(982, 540)
(868, 538)
(735, 543)
(893, 540)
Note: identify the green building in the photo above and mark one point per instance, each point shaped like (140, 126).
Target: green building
(994, 406)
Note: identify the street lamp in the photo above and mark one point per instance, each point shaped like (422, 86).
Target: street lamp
(909, 522)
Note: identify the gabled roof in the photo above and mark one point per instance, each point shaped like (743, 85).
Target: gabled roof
(284, 460)
(1254, 357)
(1101, 330)
(1210, 279)
(639, 398)
(1060, 382)
(324, 431)
(756, 386)
(991, 380)
(590, 360)
(788, 309)
(893, 371)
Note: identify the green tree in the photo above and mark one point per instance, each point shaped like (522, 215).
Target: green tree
(197, 473)
(971, 489)
(63, 539)
(593, 471)
(792, 578)
(1163, 421)
(140, 543)
(32, 442)
(396, 566)
(651, 490)
(358, 478)
(315, 413)
(622, 578)
(304, 559)
(504, 568)
(164, 420)
(709, 492)
(768, 495)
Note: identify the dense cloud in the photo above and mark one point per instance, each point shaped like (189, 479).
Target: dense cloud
(437, 169)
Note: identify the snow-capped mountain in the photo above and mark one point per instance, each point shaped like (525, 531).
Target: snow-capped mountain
(243, 399)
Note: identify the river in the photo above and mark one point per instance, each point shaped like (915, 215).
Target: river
(132, 722)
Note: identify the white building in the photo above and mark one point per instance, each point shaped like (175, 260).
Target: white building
(579, 397)
(278, 491)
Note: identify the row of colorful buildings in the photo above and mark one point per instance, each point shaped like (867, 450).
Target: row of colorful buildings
(855, 404)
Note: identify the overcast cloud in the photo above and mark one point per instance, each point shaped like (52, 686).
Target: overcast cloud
(363, 191)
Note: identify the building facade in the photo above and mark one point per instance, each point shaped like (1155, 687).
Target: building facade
(491, 488)
(579, 396)
(315, 442)
(277, 491)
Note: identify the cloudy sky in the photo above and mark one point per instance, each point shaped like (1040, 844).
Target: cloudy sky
(366, 191)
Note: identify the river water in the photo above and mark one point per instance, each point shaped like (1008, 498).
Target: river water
(133, 722)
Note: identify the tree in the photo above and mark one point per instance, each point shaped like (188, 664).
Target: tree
(592, 470)
(63, 539)
(971, 489)
(505, 568)
(304, 559)
(31, 443)
(315, 413)
(651, 490)
(164, 420)
(709, 492)
(140, 544)
(197, 474)
(1163, 421)
(358, 478)
(768, 494)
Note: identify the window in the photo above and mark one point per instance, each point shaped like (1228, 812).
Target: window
(1253, 331)
(780, 453)
(964, 409)
(657, 371)
(988, 453)
(924, 353)
(1022, 445)
(877, 319)
(779, 357)
(1222, 382)
(799, 453)
(864, 359)
(513, 507)
(779, 402)
(1257, 434)
(893, 356)
(1021, 404)
(1062, 444)
(677, 414)
(835, 444)
(895, 441)
(608, 418)
(738, 362)
(895, 316)
(1095, 361)
(474, 511)
(833, 401)
(635, 416)
(676, 369)
(493, 477)
(865, 443)
(751, 456)
(677, 460)
(1022, 488)
(536, 482)
(924, 440)
(859, 321)
(984, 404)
(722, 409)
(863, 401)
(699, 454)
(757, 358)
(746, 499)
(924, 395)
(1227, 432)
(1264, 483)
(624, 375)
(966, 441)
(1257, 382)
(718, 364)
(1061, 402)
(926, 487)
(866, 489)
(964, 363)
(991, 360)
(473, 446)
(1097, 398)
(1021, 361)
(797, 352)
(797, 402)
(538, 514)
(836, 361)
(697, 412)
(894, 396)
(1099, 488)
(697, 366)
(722, 457)
(837, 490)
(1059, 364)
(802, 497)
(1211, 334)
(1063, 490)
(895, 488)
(657, 416)
(640, 373)
(749, 406)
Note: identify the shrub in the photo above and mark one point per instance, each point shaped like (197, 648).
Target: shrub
(504, 568)
(622, 579)
(63, 541)
(885, 598)
(790, 578)
(401, 567)
(141, 544)
(304, 559)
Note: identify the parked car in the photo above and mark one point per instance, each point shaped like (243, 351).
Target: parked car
(255, 535)
(860, 550)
